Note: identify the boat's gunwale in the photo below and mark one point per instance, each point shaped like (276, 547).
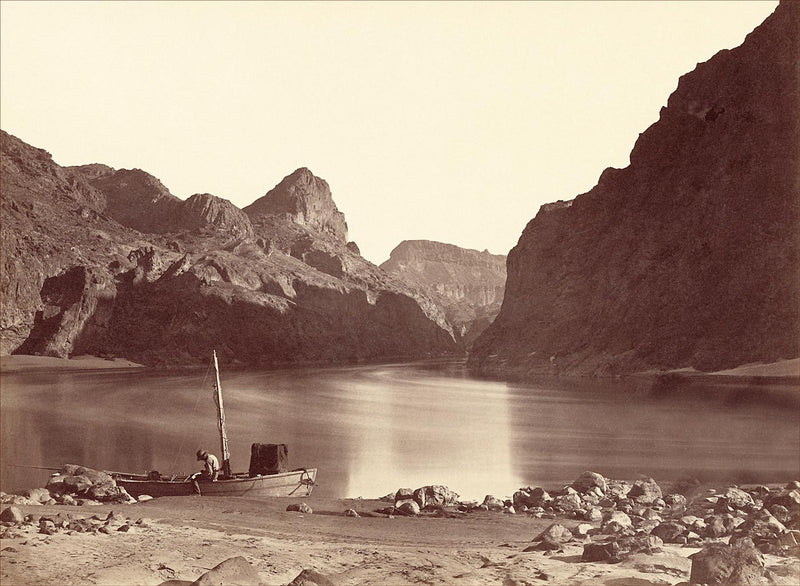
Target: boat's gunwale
(142, 478)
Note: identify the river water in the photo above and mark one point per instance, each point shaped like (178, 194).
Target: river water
(372, 429)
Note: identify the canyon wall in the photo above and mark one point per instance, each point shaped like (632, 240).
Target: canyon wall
(688, 257)
(109, 262)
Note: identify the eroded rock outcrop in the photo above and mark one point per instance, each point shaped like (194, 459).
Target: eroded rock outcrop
(469, 284)
(689, 257)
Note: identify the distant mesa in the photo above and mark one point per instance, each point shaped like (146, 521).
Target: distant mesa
(469, 284)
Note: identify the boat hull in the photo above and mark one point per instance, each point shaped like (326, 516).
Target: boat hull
(297, 483)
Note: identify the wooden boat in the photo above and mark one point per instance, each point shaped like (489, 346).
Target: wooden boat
(294, 483)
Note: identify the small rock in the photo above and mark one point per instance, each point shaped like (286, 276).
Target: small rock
(300, 508)
(351, 513)
(143, 498)
(582, 529)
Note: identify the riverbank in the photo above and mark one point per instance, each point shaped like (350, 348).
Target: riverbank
(27, 363)
(181, 538)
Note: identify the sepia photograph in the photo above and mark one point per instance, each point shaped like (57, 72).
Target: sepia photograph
(350, 293)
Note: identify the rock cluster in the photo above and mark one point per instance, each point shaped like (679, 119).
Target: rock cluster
(16, 525)
(628, 518)
(74, 485)
(688, 256)
(432, 498)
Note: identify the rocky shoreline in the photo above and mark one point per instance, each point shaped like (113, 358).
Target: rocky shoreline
(696, 534)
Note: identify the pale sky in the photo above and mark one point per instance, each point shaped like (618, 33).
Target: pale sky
(444, 121)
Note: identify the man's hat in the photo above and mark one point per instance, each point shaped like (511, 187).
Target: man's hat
(201, 454)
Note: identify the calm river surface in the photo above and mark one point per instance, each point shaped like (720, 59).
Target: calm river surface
(372, 429)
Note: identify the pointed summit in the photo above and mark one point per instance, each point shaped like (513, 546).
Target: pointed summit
(306, 200)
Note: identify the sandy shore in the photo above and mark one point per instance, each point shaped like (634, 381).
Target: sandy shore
(25, 363)
(183, 537)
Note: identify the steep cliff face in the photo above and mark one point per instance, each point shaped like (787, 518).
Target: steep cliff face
(687, 257)
(305, 200)
(109, 262)
(469, 284)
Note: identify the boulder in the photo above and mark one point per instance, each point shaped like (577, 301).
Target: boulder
(408, 508)
(235, 571)
(40, 495)
(311, 578)
(493, 503)
(669, 531)
(582, 529)
(12, 515)
(675, 501)
(600, 552)
(351, 513)
(568, 503)
(645, 491)
(737, 498)
(588, 480)
(721, 564)
(617, 519)
(434, 495)
(555, 532)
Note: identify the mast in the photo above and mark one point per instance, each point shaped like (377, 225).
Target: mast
(223, 438)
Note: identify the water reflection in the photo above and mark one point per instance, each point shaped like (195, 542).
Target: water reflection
(373, 429)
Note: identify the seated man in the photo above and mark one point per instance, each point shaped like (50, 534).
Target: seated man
(210, 469)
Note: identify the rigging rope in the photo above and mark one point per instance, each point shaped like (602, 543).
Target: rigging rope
(191, 417)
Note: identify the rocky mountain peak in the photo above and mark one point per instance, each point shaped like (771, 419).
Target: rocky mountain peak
(305, 199)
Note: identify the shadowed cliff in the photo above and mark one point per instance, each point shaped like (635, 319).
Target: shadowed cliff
(688, 257)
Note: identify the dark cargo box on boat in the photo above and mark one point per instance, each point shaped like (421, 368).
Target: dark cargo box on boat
(268, 459)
